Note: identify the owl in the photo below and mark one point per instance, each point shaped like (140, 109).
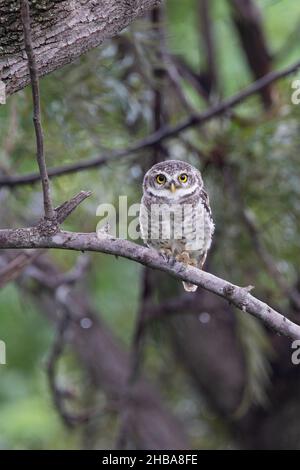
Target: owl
(175, 215)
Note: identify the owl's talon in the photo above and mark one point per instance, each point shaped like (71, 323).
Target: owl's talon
(172, 261)
(184, 257)
(167, 256)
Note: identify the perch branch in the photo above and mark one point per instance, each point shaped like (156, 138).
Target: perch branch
(240, 297)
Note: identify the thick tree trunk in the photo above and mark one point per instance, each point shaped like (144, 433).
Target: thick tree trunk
(62, 30)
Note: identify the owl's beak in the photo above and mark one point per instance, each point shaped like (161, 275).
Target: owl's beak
(172, 188)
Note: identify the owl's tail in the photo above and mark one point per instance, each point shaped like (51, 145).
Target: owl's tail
(189, 287)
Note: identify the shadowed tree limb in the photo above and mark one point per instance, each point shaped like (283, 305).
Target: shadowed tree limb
(11, 270)
(152, 425)
(166, 132)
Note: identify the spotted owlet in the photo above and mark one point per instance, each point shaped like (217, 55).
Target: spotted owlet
(175, 215)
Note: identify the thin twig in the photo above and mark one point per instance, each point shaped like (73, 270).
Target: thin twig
(61, 291)
(165, 133)
(14, 267)
(55, 280)
(25, 15)
(65, 209)
(57, 348)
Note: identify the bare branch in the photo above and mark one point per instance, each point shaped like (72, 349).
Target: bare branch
(59, 394)
(25, 15)
(55, 280)
(166, 132)
(11, 270)
(65, 209)
(238, 296)
(57, 348)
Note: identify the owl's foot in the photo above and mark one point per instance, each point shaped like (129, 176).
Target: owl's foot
(184, 257)
(167, 255)
(202, 261)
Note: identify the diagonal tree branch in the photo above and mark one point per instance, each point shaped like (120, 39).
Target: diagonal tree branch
(238, 296)
(11, 270)
(62, 30)
(64, 210)
(164, 133)
(25, 15)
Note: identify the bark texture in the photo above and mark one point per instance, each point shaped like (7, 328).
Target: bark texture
(62, 30)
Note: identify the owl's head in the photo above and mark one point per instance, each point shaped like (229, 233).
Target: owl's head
(172, 179)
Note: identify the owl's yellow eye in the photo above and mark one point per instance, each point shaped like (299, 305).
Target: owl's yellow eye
(183, 178)
(160, 179)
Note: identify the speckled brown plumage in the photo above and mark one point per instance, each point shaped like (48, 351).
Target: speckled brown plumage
(175, 215)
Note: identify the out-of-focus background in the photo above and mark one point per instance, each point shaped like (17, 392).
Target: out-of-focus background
(203, 375)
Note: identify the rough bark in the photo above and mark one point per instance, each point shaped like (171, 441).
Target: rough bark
(62, 31)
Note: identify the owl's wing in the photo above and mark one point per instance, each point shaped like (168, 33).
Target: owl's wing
(205, 201)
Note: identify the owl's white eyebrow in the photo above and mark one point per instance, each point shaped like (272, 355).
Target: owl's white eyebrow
(161, 173)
